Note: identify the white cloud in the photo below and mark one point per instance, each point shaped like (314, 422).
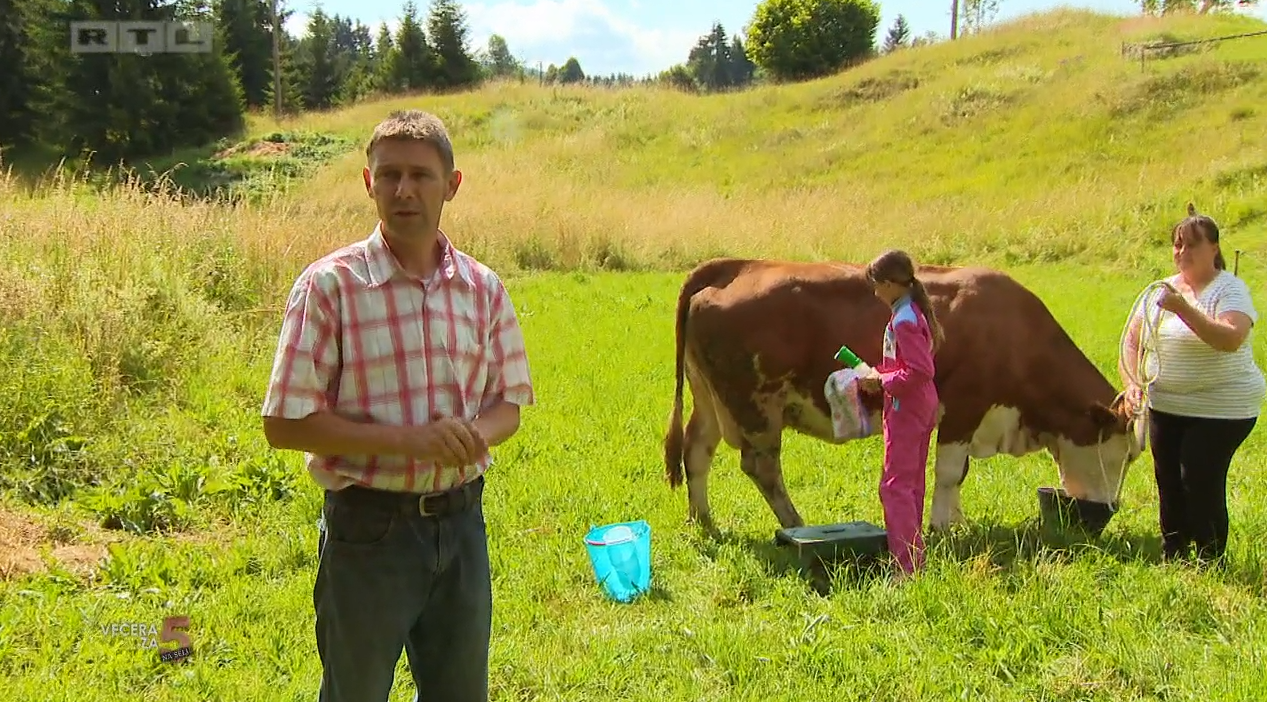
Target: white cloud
(549, 31)
(297, 25)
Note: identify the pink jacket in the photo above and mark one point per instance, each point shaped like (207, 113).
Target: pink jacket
(907, 369)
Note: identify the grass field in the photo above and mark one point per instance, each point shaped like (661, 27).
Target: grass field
(140, 333)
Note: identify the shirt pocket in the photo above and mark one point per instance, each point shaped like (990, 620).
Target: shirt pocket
(380, 366)
(462, 358)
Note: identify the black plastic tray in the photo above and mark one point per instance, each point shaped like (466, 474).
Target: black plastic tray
(830, 542)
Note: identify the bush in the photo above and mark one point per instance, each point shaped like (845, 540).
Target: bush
(803, 39)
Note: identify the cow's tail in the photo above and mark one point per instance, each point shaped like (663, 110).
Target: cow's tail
(674, 439)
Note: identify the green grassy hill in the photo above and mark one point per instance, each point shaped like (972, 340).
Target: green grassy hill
(141, 331)
(1037, 141)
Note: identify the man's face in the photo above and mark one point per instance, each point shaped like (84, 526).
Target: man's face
(408, 182)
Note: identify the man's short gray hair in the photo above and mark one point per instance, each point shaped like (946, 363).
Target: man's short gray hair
(417, 125)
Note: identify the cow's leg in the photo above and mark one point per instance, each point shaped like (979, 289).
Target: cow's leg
(950, 469)
(761, 462)
(702, 437)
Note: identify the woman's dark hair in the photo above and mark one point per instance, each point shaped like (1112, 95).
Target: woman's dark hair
(1202, 226)
(896, 266)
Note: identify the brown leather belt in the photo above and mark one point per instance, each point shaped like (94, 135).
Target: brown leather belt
(441, 504)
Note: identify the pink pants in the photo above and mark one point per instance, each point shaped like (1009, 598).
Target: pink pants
(902, 486)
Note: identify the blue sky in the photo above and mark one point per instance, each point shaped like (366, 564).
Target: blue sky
(640, 36)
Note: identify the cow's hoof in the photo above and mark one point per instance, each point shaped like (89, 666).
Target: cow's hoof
(945, 527)
(706, 527)
(946, 519)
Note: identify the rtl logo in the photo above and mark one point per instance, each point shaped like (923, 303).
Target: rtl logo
(113, 37)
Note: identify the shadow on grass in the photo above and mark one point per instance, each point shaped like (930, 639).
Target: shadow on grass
(656, 593)
(1007, 547)
(779, 560)
(1032, 540)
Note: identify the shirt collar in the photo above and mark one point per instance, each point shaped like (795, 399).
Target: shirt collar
(383, 265)
(901, 302)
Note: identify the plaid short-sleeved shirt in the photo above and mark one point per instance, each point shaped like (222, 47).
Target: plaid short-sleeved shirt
(363, 338)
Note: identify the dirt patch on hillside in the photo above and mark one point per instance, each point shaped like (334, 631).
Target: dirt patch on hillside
(260, 149)
(25, 539)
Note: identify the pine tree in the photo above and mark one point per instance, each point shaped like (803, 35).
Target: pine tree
(710, 61)
(412, 63)
(898, 36)
(19, 82)
(246, 27)
(316, 54)
(501, 62)
(742, 67)
(453, 65)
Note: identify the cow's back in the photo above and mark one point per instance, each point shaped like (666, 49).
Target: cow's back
(1004, 348)
(755, 325)
(789, 313)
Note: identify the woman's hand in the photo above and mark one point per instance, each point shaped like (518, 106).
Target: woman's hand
(1171, 301)
(1223, 333)
(1133, 398)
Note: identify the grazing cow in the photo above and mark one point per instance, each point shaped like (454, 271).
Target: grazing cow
(756, 341)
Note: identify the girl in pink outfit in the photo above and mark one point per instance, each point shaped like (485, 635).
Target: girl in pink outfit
(905, 376)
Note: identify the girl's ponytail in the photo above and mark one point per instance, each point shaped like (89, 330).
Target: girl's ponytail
(920, 297)
(896, 266)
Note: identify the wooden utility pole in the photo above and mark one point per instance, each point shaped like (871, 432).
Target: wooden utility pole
(277, 66)
(954, 19)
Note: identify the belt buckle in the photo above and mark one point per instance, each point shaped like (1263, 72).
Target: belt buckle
(422, 505)
(449, 500)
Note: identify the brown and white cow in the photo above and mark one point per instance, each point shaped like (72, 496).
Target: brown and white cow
(756, 340)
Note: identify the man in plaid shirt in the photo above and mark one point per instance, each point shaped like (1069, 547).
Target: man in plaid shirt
(400, 363)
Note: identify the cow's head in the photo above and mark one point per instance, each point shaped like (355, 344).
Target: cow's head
(1121, 419)
(1094, 472)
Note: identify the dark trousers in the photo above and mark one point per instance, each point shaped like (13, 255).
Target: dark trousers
(1191, 456)
(391, 578)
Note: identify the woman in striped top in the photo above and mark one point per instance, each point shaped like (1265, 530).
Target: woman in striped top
(1207, 391)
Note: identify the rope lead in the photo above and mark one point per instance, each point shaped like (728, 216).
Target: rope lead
(1150, 315)
(1145, 307)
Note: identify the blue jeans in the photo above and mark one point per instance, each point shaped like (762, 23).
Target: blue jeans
(391, 578)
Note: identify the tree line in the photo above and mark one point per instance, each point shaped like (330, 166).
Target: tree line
(120, 106)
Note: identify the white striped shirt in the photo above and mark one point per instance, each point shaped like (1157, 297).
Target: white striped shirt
(1195, 379)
